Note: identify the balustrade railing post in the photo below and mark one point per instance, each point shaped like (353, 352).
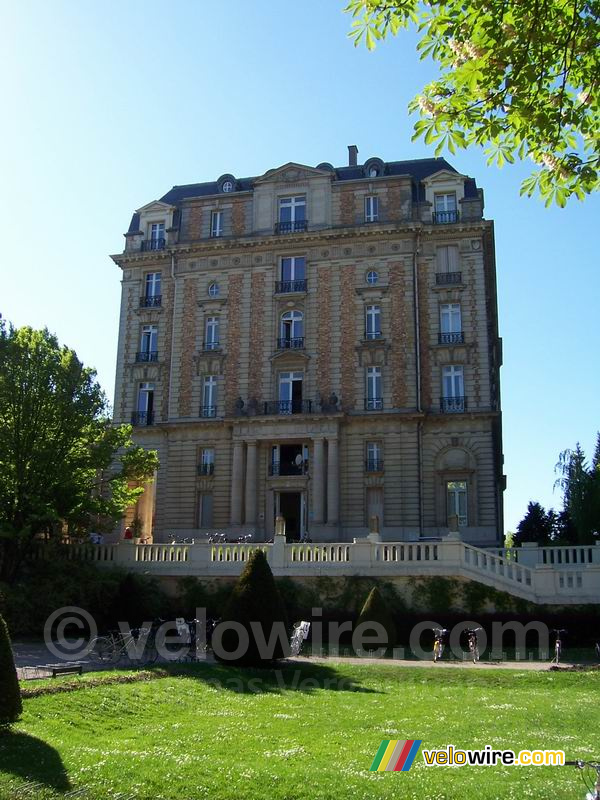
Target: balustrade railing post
(125, 552)
(276, 553)
(199, 557)
(362, 554)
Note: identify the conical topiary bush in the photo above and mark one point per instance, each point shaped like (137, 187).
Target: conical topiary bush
(10, 693)
(376, 610)
(256, 605)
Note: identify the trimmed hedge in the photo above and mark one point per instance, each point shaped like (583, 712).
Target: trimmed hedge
(255, 602)
(10, 693)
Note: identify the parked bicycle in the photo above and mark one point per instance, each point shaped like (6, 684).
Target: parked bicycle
(472, 643)
(439, 642)
(111, 648)
(592, 785)
(558, 646)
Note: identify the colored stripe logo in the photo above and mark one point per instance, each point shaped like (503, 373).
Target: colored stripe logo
(395, 755)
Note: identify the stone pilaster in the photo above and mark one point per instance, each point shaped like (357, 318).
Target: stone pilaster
(257, 354)
(234, 322)
(325, 327)
(251, 484)
(318, 481)
(333, 482)
(237, 483)
(188, 347)
(348, 336)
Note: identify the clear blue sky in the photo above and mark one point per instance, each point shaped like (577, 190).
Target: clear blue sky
(107, 105)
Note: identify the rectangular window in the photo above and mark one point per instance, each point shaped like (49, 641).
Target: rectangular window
(373, 398)
(450, 324)
(209, 397)
(216, 223)
(145, 404)
(292, 214)
(447, 258)
(152, 288)
(372, 322)
(205, 510)
(207, 461)
(457, 500)
(374, 461)
(293, 275)
(290, 392)
(445, 208)
(157, 235)
(371, 209)
(453, 390)
(148, 344)
(211, 333)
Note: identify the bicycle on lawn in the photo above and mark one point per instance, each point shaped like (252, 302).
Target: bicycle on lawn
(472, 643)
(592, 785)
(115, 645)
(439, 642)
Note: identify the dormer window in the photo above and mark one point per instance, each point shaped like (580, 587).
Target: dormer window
(226, 183)
(227, 186)
(445, 208)
(292, 214)
(156, 236)
(373, 172)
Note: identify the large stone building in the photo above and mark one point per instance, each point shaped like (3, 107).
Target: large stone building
(320, 343)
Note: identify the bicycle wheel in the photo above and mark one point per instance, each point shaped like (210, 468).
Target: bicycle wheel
(103, 650)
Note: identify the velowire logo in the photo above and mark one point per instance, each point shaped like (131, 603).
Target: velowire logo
(395, 755)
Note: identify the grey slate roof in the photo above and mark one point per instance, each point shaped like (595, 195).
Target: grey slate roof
(418, 169)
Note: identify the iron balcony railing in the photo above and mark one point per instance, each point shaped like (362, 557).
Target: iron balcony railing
(142, 418)
(206, 469)
(291, 227)
(286, 287)
(287, 407)
(276, 468)
(373, 403)
(208, 412)
(444, 278)
(457, 337)
(154, 244)
(212, 345)
(374, 465)
(294, 343)
(151, 301)
(147, 355)
(453, 405)
(445, 217)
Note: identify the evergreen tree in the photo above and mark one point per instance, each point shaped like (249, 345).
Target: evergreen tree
(256, 605)
(10, 693)
(536, 526)
(376, 610)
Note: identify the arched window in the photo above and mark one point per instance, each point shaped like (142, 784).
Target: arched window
(291, 332)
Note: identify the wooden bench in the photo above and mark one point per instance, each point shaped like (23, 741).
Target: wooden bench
(63, 669)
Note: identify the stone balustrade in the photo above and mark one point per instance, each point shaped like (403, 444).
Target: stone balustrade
(551, 575)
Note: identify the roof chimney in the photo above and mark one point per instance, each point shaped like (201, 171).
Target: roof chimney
(352, 153)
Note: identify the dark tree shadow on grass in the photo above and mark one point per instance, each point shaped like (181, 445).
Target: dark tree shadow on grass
(283, 676)
(32, 760)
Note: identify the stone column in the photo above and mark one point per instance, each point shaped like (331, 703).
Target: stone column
(251, 484)
(237, 483)
(333, 482)
(318, 482)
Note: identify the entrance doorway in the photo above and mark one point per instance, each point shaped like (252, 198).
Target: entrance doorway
(291, 506)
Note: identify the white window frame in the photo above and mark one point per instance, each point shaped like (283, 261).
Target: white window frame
(291, 328)
(371, 208)
(207, 460)
(149, 339)
(448, 258)
(209, 396)
(216, 224)
(156, 231)
(450, 318)
(288, 379)
(373, 456)
(297, 208)
(372, 277)
(445, 202)
(297, 264)
(214, 290)
(373, 321)
(152, 283)
(457, 501)
(211, 333)
(373, 389)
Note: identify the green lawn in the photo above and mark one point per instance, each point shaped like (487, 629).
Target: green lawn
(184, 737)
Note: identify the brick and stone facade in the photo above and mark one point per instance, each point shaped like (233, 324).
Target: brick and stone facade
(361, 381)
